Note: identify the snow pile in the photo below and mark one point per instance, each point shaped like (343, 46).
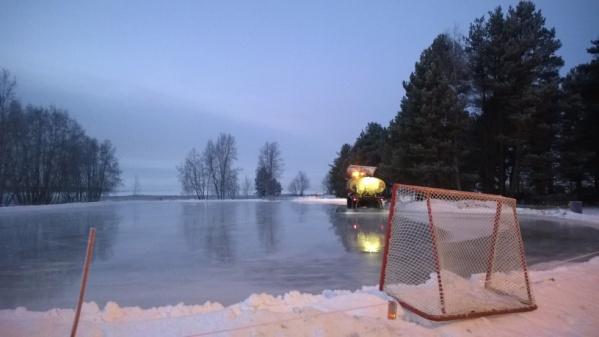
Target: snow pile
(462, 295)
(567, 298)
(589, 216)
(320, 200)
(467, 206)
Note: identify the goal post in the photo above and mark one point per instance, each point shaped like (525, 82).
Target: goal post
(452, 254)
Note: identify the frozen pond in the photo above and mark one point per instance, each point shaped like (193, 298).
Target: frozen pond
(152, 253)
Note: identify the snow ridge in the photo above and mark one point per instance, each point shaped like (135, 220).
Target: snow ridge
(567, 298)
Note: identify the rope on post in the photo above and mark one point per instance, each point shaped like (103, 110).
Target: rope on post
(88, 259)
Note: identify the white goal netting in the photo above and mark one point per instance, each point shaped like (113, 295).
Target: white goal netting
(452, 254)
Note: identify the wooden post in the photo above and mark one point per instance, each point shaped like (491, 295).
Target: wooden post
(88, 259)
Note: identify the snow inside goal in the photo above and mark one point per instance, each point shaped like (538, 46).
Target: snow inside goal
(452, 254)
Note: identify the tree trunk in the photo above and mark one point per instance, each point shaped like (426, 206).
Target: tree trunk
(515, 176)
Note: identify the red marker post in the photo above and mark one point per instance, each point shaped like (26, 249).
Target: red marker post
(88, 259)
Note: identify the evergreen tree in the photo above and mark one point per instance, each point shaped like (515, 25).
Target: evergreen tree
(515, 76)
(371, 146)
(266, 184)
(428, 133)
(337, 171)
(578, 141)
(590, 94)
(270, 167)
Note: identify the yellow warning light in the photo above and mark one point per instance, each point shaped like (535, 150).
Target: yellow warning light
(369, 186)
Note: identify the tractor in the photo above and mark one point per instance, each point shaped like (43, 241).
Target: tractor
(363, 189)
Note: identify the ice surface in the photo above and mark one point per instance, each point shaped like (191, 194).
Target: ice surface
(151, 253)
(155, 253)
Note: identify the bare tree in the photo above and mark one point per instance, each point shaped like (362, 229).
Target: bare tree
(270, 158)
(232, 184)
(270, 168)
(219, 157)
(109, 176)
(247, 187)
(136, 186)
(326, 184)
(193, 175)
(292, 188)
(7, 85)
(299, 184)
(209, 156)
(46, 157)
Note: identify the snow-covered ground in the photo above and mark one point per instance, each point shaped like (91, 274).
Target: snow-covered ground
(568, 300)
(321, 200)
(590, 215)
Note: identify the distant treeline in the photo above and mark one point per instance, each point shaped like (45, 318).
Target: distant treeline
(46, 157)
(211, 172)
(489, 112)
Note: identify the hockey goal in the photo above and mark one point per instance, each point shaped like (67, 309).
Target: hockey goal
(451, 254)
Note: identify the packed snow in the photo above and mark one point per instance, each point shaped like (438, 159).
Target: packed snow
(568, 300)
(589, 217)
(463, 295)
(321, 200)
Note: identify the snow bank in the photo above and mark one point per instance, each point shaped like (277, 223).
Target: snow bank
(590, 216)
(567, 298)
(320, 200)
(463, 294)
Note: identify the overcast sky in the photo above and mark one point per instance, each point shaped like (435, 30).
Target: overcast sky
(158, 78)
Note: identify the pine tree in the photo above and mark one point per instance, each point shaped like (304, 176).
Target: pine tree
(337, 171)
(590, 93)
(428, 134)
(515, 74)
(371, 146)
(484, 46)
(578, 141)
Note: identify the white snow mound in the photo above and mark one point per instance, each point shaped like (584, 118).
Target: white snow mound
(567, 298)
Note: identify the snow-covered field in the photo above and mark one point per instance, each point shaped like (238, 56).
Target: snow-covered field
(568, 300)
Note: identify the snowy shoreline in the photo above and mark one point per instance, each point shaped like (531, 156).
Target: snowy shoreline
(567, 298)
(589, 217)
